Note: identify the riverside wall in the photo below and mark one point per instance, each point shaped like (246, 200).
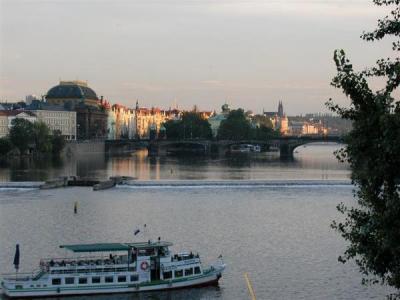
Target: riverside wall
(74, 148)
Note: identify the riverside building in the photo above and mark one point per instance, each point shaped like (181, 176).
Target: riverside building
(77, 96)
(7, 116)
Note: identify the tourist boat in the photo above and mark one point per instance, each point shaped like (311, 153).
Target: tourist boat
(123, 268)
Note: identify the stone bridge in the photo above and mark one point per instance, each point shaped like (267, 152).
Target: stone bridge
(286, 145)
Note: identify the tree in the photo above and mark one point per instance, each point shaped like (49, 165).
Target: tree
(41, 137)
(57, 142)
(235, 127)
(21, 134)
(372, 228)
(173, 129)
(5, 145)
(192, 126)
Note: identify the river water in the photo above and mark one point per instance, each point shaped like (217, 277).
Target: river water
(277, 231)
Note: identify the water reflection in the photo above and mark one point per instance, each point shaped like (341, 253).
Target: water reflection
(314, 161)
(212, 292)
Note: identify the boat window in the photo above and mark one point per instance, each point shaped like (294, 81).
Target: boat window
(109, 279)
(121, 278)
(197, 270)
(69, 280)
(56, 281)
(95, 279)
(132, 269)
(82, 280)
(178, 273)
(109, 270)
(167, 275)
(188, 272)
(134, 277)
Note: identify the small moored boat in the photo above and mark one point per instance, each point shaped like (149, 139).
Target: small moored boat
(123, 268)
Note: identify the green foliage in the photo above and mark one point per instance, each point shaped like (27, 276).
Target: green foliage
(21, 134)
(235, 127)
(24, 134)
(57, 142)
(262, 121)
(5, 145)
(192, 126)
(263, 133)
(372, 228)
(41, 137)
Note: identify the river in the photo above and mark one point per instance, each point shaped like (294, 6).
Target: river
(277, 231)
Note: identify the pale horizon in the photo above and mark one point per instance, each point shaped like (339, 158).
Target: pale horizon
(250, 54)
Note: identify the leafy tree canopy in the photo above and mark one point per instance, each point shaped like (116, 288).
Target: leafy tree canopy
(21, 134)
(5, 145)
(372, 228)
(236, 126)
(57, 142)
(191, 126)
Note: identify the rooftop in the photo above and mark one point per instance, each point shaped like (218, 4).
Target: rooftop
(71, 90)
(110, 247)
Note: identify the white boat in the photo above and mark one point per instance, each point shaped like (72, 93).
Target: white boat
(123, 268)
(245, 148)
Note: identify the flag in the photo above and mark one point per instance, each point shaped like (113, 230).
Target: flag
(16, 257)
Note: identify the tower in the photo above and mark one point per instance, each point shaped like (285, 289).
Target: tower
(280, 109)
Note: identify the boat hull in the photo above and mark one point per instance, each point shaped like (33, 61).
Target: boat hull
(199, 281)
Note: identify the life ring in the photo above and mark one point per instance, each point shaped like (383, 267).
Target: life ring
(144, 265)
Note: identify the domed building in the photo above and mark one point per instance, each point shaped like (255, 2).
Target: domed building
(72, 93)
(77, 96)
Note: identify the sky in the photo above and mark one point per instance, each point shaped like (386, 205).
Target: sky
(247, 53)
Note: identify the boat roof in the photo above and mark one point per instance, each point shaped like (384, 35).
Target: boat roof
(110, 247)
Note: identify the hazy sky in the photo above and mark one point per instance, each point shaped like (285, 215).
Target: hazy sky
(250, 53)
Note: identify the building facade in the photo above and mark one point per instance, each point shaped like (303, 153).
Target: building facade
(91, 116)
(60, 120)
(7, 117)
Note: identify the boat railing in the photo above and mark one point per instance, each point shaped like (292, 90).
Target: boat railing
(26, 276)
(87, 264)
(84, 261)
(176, 262)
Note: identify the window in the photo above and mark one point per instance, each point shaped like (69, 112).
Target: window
(178, 273)
(82, 280)
(95, 279)
(188, 272)
(109, 279)
(56, 281)
(69, 280)
(121, 278)
(197, 270)
(167, 275)
(134, 277)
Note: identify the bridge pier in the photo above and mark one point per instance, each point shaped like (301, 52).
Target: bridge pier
(285, 151)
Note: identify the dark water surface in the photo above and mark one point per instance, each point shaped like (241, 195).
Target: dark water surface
(278, 233)
(312, 161)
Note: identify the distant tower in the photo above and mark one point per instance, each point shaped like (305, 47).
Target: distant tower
(136, 120)
(280, 109)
